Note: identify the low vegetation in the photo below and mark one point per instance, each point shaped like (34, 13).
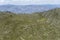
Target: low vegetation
(35, 26)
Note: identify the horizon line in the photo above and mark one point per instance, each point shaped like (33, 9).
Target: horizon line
(29, 4)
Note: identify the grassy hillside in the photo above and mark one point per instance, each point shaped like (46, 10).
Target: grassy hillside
(36, 26)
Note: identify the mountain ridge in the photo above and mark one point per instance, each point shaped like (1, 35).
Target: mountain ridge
(27, 8)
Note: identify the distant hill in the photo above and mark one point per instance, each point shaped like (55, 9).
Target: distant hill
(35, 26)
(27, 8)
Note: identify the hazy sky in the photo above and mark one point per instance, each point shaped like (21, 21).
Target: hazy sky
(27, 2)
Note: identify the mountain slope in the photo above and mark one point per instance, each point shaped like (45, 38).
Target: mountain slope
(36, 26)
(53, 17)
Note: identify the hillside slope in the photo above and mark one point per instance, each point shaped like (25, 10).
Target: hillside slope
(36, 26)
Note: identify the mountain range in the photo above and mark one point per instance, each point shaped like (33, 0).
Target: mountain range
(27, 8)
